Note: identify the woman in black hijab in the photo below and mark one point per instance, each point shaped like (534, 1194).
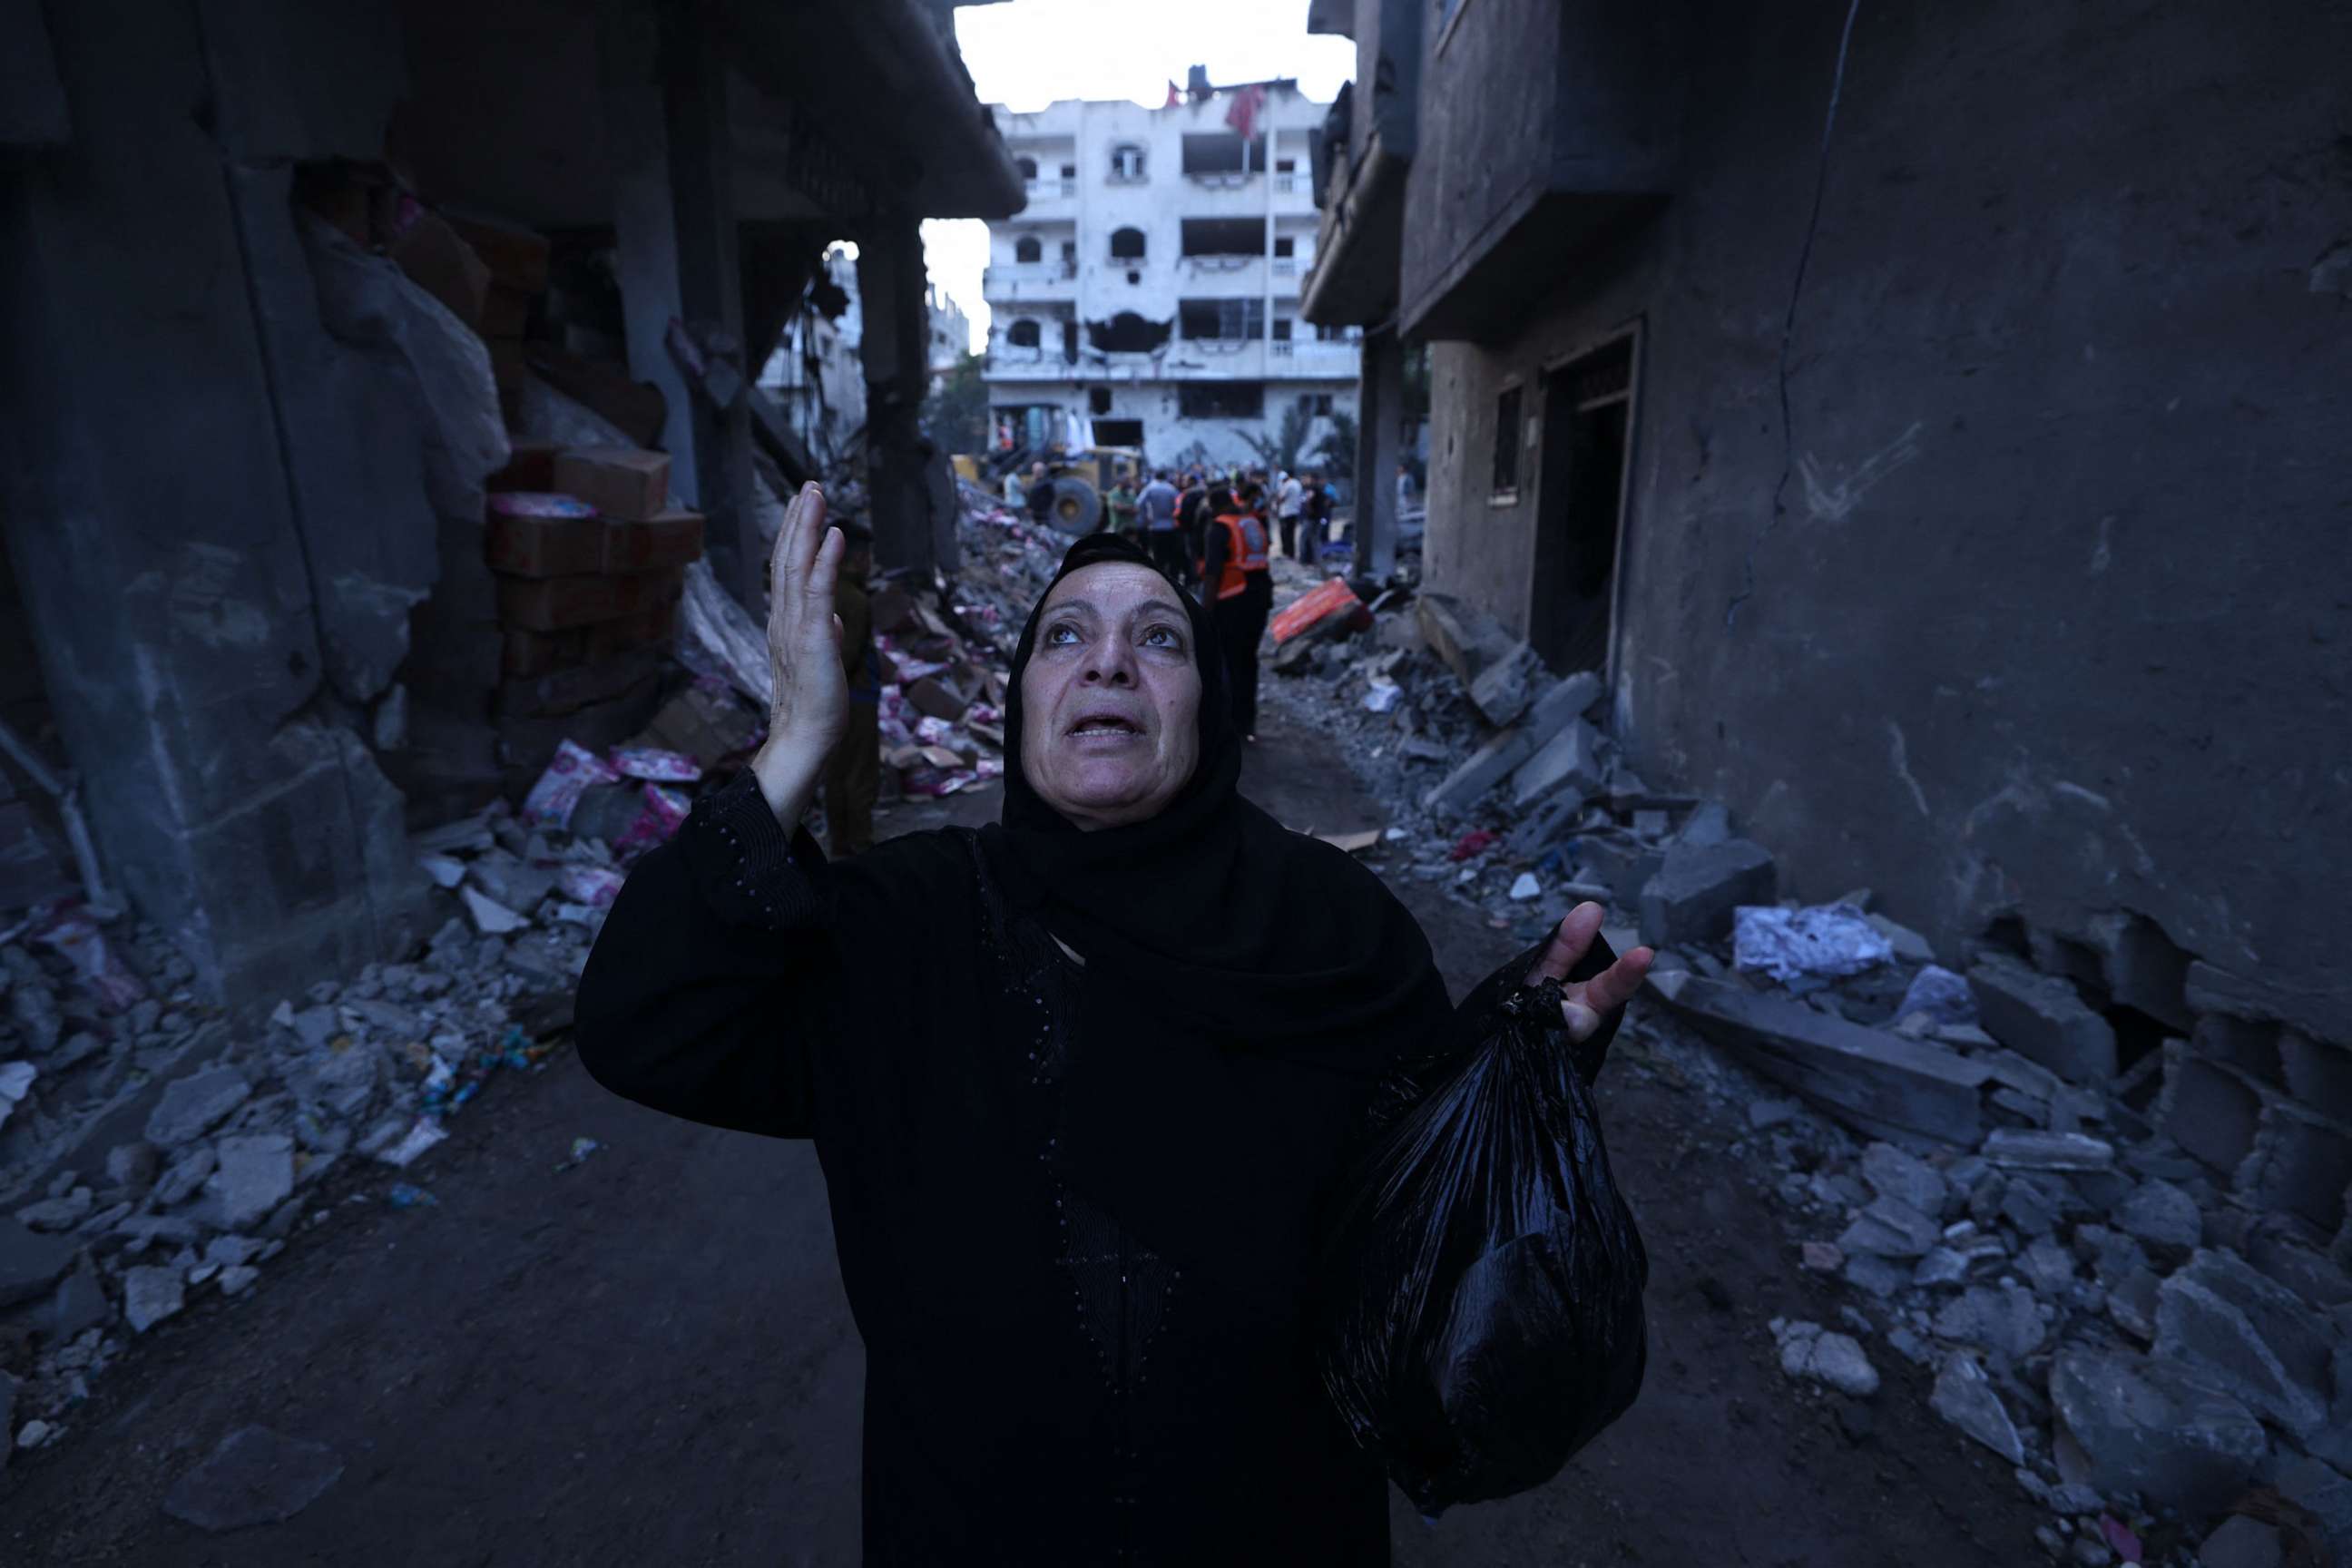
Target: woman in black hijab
(1081, 1084)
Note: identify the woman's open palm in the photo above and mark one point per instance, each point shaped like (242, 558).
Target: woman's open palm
(810, 708)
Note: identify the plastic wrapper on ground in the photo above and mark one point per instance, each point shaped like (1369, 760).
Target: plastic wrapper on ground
(1826, 941)
(554, 798)
(1486, 1317)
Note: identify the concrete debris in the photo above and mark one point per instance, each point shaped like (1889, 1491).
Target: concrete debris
(1889, 1228)
(2161, 1215)
(1828, 940)
(1892, 1173)
(254, 1477)
(1693, 895)
(1964, 1396)
(2042, 1017)
(191, 1106)
(1934, 992)
(2253, 1335)
(2005, 1320)
(29, 1262)
(1810, 1352)
(151, 1294)
(1570, 762)
(2155, 1427)
(255, 1175)
(2020, 1148)
(2241, 1542)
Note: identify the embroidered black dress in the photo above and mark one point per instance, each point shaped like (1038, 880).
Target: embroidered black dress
(1040, 1388)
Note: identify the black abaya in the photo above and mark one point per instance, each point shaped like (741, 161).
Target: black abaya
(1075, 1207)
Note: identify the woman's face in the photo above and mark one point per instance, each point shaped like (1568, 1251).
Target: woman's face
(1110, 701)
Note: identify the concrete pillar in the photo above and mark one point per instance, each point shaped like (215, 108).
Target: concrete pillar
(910, 527)
(1379, 416)
(154, 484)
(645, 222)
(709, 281)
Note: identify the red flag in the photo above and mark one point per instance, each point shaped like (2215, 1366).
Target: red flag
(1243, 115)
(1175, 95)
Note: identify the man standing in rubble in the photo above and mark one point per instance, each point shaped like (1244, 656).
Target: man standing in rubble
(1288, 494)
(853, 773)
(1157, 508)
(1236, 575)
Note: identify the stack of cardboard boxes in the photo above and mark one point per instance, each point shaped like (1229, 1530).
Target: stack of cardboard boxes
(589, 558)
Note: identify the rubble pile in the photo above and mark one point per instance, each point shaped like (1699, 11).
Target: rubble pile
(2123, 1272)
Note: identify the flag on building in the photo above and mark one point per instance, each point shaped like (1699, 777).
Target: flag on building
(1242, 114)
(1175, 95)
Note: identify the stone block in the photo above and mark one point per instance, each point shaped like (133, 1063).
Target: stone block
(2318, 1074)
(1504, 689)
(1888, 1228)
(1893, 1174)
(2239, 1541)
(2250, 1335)
(255, 1175)
(1625, 866)
(2141, 967)
(1693, 895)
(2005, 1320)
(31, 1262)
(1964, 1396)
(151, 1294)
(2250, 1045)
(576, 546)
(1479, 774)
(2300, 1165)
(1887, 1086)
(2155, 1426)
(193, 1105)
(2021, 1148)
(2161, 1215)
(2042, 1017)
(1569, 761)
(2209, 1108)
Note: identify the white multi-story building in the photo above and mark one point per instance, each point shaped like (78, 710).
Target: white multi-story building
(1151, 283)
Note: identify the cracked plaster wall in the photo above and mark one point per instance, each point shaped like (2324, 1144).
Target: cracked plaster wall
(2053, 618)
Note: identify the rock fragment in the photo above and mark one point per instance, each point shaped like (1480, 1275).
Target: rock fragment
(257, 1476)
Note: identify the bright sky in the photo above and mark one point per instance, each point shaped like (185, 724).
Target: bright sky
(1026, 54)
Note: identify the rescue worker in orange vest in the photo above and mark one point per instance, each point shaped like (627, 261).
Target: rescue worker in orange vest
(1235, 573)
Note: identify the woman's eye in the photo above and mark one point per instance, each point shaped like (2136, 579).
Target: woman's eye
(1053, 634)
(1166, 634)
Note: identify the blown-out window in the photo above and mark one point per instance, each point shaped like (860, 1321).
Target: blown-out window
(1127, 162)
(1027, 248)
(1127, 245)
(1023, 334)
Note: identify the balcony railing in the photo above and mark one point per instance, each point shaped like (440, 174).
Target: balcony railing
(1047, 187)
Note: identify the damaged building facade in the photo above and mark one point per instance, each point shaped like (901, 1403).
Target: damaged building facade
(817, 376)
(1151, 282)
(1929, 454)
(283, 286)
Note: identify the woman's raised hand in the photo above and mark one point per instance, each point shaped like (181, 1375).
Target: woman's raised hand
(810, 708)
(1584, 1003)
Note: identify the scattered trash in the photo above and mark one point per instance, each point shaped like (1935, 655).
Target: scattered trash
(580, 1148)
(1525, 887)
(1329, 600)
(1824, 941)
(409, 1195)
(1474, 842)
(422, 1135)
(2120, 1537)
(551, 801)
(646, 762)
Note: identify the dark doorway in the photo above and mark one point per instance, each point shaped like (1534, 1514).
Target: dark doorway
(1587, 407)
(1119, 432)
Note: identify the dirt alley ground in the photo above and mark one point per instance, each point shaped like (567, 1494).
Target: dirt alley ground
(647, 1360)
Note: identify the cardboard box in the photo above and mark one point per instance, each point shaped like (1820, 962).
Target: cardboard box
(568, 690)
(559, 603)
(528, 652)
(572, 546)
(637, 408)
(517, 257)
(531, 466)
(437, 261)
(626, 483)
(929, 696)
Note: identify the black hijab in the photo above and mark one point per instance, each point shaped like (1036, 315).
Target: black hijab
(1245, 986)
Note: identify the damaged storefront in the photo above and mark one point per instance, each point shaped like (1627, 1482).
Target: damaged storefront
(297, 301)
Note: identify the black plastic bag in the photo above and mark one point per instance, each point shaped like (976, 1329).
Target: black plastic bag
(1483, 1319)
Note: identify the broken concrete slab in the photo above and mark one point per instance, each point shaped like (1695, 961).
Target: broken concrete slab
(1504, 689)
(2251, 1333)
(2161, 1215)
(2025, 1150)
(1889, 1228)
(79, 1303)
(2042, 1017)
(150, 1293)
(257, 1476)
(256, 1174)
(1569, 761)
(193, 1105)
(2005, 1320)
(1964, 1396)
(2157, 1428)
(1886, 1085)
(1893, 1174)
(1477, 773)
(31, 1262)
(1693, 895)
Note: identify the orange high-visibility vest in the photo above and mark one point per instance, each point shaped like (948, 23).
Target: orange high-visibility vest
(1245, 551)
